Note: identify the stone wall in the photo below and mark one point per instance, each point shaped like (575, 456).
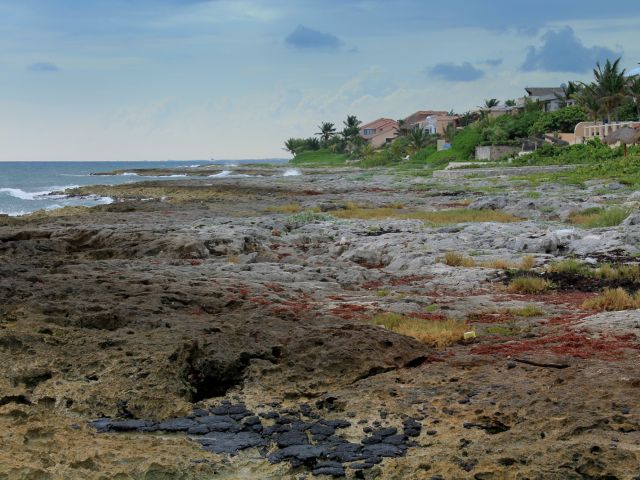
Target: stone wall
(495, 152)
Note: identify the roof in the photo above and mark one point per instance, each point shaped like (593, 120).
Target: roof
(422, 114)
(379, 123)
(544, 91)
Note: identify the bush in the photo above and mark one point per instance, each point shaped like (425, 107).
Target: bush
(529, 285)
(613, 299)
(436, 333)
(455, 259)
(563, 120)
(599, 217)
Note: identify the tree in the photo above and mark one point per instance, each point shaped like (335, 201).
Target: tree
(419, 139)
(351, 127)
(588, 98)
(402, 130)
(633, 90)
(327, 130)
(510, 103)
(491, 102)
(610, 85)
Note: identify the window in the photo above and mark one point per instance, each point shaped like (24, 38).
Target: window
(369, 131)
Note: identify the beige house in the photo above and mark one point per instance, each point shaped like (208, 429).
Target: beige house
(585, 131)
(379, 132)
(435, 122)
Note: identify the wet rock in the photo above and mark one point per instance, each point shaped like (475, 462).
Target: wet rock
(287, 439)
(333, 469)
(177, 425)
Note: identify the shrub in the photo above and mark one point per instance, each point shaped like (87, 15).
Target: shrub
(529, 285)
(528, 311)
(455, 259)
(569, 266)
(436, 333)
(527, 262)
(613, 299)
(598, 217)
(287, 208)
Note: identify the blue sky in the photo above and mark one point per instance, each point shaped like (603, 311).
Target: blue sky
(195, 79)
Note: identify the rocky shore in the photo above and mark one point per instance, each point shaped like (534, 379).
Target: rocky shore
(226, 328)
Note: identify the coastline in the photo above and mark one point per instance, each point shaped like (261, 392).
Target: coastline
(261, 292)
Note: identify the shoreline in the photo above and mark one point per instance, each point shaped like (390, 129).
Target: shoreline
(242, 315)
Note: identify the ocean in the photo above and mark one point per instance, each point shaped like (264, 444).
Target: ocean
(25, 187)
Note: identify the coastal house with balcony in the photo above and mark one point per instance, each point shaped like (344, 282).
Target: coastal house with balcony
(379, 132)
(432, 121)
(551, 98)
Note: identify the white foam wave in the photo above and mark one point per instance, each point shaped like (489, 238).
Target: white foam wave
(22, 195)
(291, 172)
(224, 173)
(129, 174)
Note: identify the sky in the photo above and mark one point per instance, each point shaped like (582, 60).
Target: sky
(232, 79)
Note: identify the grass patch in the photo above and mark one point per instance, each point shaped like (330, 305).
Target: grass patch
(527, 312)
(613, 299)
(288, 208)
(606, 271)
(308, 216)
(569, 266)
(436, 333)
(529, 285)
(455, 259)
(502, 330)
(437, 218)
(527, 263)
(599, 217)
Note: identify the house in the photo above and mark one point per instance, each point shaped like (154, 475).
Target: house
(432, 121)
(552, 98)
(379, 132)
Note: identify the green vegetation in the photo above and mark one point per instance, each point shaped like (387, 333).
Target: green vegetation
(529, 285)
(613, 299)
(440, 217)
(320, 158)
(436, 333)
(606, 271)
(599, 217)
(527, 312)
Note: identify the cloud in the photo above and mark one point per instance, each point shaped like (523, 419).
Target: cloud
(307, 38)
(452, 72)
(43, 67)
(562, 51)
(493, 62)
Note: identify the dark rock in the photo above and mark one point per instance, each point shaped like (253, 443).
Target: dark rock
(382, 450)
(333, 469)
(227, 442)
(395, 439)
(129, 425)
(322, 429)
(373, 439)
(177, 425)
(199, 429)
(346, 452)
(252, 420)
(386, 432)
(287, 439)
(302, 454)
(336, 423)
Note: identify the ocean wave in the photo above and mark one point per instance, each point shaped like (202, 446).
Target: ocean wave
(224, 173)
(129, 174)
(291, 172)
(22, 195)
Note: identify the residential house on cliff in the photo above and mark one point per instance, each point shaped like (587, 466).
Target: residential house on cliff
(432, 121)
(379, 132)
(552, 98)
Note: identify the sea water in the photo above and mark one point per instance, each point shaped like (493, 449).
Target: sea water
(27, 186)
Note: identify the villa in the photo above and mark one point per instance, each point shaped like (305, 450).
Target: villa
(552, 98)
(432, 121)
(379, 132)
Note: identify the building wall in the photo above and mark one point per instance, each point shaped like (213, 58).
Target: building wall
(495, 152)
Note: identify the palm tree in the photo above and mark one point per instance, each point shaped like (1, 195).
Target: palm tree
(510, 103)
(419, 139)
(402, 130)
(633, 90)
(588, 97)
(351, 127)
(492, 102)
(610, 82)
(327, 130)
